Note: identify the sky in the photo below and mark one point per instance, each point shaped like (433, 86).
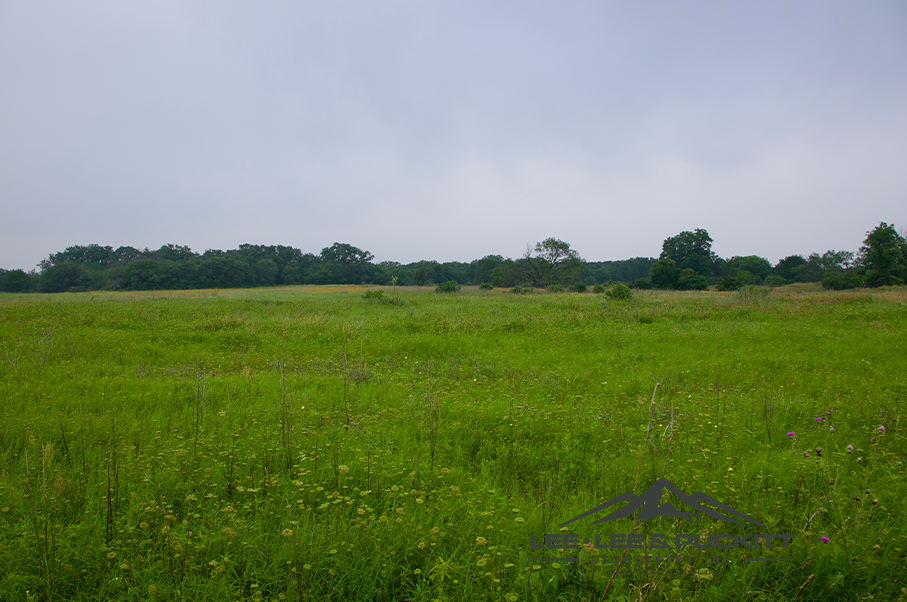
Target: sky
(451, 130)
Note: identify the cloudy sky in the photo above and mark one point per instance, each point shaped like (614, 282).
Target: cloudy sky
(450, 130)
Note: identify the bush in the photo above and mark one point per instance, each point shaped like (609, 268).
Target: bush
(598, 289)
(373, 295)
(578, 287)
(486, 286)
(450, 286)
(619, 292)
(554, 288)
(775, 280)
(642, 284)
(840, 282)
(516, 290)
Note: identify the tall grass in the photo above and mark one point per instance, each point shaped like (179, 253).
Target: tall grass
(223, 446)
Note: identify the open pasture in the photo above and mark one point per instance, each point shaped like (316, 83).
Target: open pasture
(306, 443)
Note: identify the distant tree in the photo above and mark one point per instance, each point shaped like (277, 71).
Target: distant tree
(265, 272)
(89, 256)
(552, 261)
(16, 281)
(625, 270)
(690, 280)
(171, 252)
(691, 250)
(757, 267)
(142, 275)
(509, 273)
(818, 266)
(63, 277)
(483, 268)
(883, 256)
(664, 273)
(345, 254)
(420, 276)
(786, 267)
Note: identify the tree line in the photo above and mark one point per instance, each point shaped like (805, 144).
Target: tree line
(685, 263)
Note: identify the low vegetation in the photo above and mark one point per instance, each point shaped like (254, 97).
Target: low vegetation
(316, 443)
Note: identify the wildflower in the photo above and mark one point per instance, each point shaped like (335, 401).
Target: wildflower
(825, 539)
(850, 449)
(343, 468)
(819, 451)
(818, 418)
(790, 433)
(401, 511)
(806, 454)
(831, 429)
(877, 547)
(519, 519)
(881, 429)
(873, 440)
(152, 588)
(874, 502)
(287, 532)
(481, 541)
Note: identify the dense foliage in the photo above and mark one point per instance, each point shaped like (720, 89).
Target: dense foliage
(686, 263)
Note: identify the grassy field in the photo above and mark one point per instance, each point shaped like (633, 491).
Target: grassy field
(306, 443)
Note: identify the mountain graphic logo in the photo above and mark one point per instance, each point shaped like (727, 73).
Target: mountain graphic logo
(650, 507)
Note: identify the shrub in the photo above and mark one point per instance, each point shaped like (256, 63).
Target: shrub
(598, 289)
(619, 292)
(516, 290)
(486, 286)
(373, 295)
(642, 284)
(775, 280)
(578, 287)
(554, 288)
(450, 286)
(839, 282)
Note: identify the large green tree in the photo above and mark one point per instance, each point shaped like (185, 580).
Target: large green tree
(884, 256)
(691, 250)
(664, 273)
(552, 261)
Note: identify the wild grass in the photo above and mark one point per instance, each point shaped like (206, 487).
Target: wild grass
(305, 443)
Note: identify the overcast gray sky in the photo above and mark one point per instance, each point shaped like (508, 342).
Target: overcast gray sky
(451, 130)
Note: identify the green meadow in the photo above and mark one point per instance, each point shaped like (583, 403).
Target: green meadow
(316, 443)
